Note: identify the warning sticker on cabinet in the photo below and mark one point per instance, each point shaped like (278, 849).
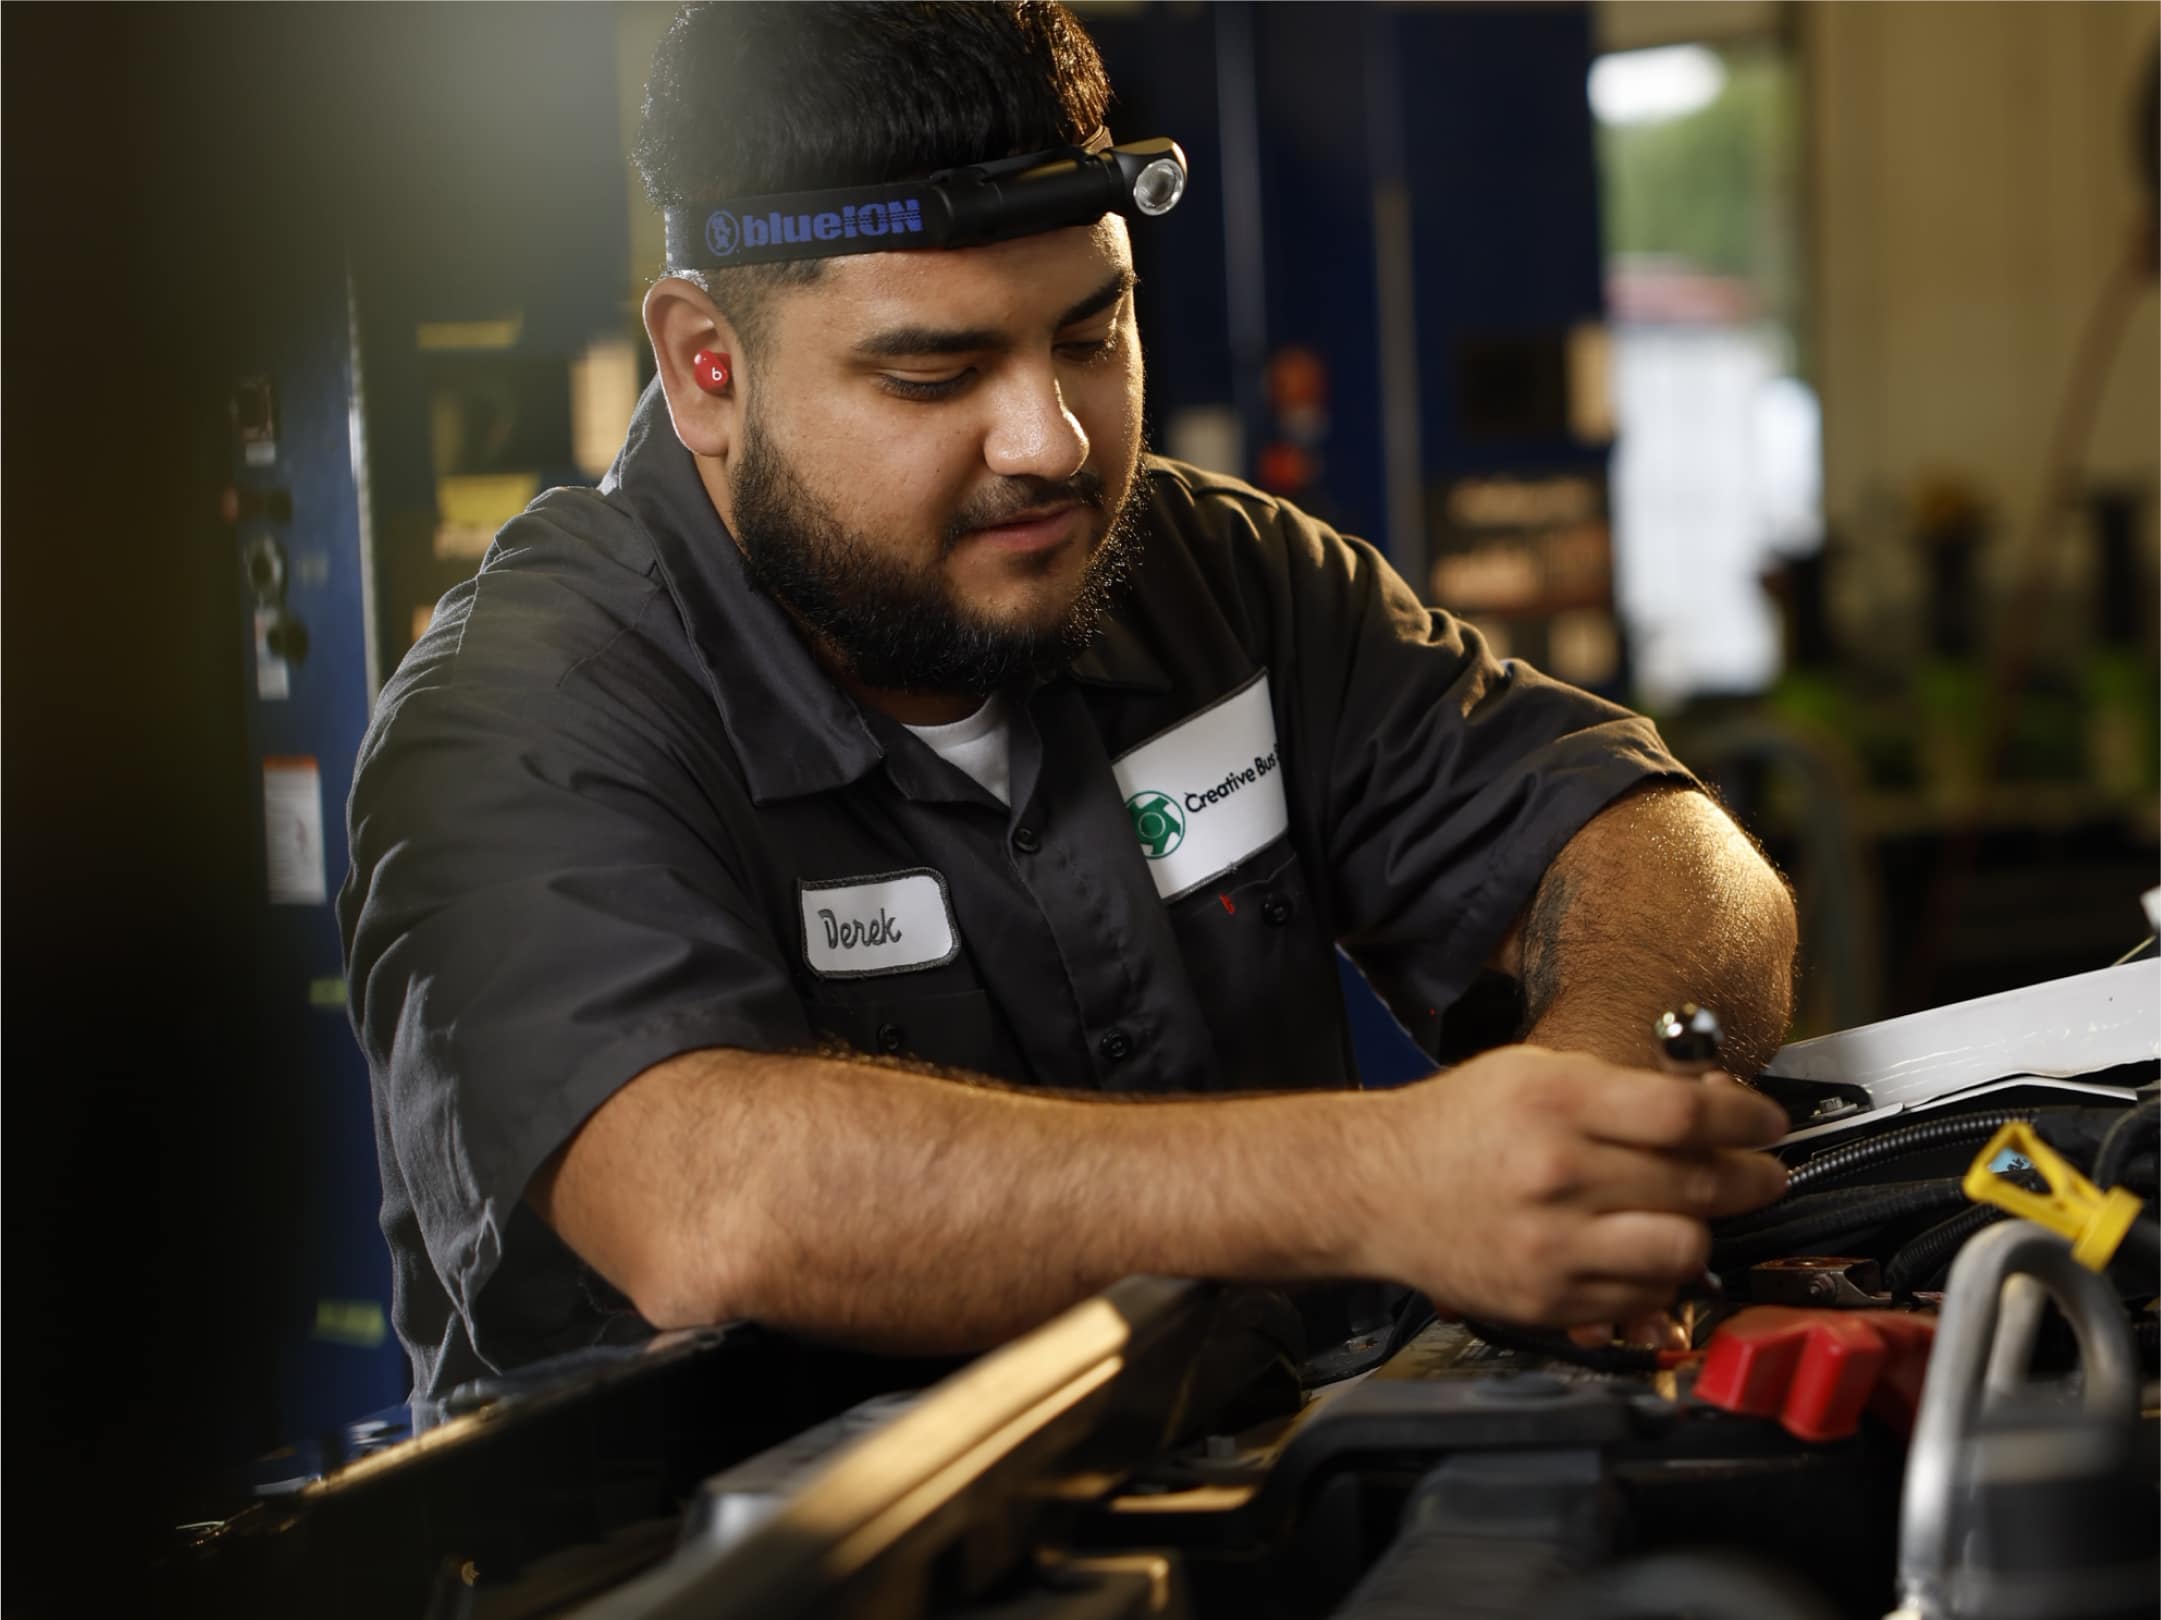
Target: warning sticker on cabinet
(293, 832)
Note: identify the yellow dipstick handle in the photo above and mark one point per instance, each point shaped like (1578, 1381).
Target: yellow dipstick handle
(2094, 1221)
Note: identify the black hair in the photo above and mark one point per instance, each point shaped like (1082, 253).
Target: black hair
(751, 97)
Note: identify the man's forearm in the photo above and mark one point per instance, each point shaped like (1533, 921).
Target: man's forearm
(907, 1212)
(1657, 900)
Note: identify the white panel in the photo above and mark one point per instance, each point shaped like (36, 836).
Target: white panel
(2067, 1027)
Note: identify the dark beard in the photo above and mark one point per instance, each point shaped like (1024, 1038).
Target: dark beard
(897, 628)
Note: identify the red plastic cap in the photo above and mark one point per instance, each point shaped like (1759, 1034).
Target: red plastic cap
(1816, 1371)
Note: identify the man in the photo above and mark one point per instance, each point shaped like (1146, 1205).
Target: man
(822, 876)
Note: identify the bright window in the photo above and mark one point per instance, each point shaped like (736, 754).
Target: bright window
(1717, 470)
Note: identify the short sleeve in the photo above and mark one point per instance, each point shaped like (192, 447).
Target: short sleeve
(537, 911)
(1438, 780)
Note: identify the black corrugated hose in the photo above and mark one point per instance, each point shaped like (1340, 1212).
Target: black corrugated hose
(1839, 1163)
(2123, 1140)
(1926, 1257)
(1834, 1217)
(1795, 1223)
(1919, 1262)
(1789, 1211)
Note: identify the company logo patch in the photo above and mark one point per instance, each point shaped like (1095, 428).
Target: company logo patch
(1156, 823)
(1207, 793)
(722, 234)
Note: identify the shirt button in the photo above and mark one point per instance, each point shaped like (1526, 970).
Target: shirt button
(891, 1037)
(1027, 840)
(1116, 1047)
(1276, 909)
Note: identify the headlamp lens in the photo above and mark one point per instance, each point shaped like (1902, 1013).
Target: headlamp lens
(1158, 187)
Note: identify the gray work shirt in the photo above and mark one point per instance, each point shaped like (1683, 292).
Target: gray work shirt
(611, 810)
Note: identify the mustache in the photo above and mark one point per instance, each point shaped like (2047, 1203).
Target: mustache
(1013, 496)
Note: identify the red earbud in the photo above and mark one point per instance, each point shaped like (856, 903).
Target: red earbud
(711, 371)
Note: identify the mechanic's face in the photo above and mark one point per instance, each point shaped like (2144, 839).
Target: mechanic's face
(939, 452)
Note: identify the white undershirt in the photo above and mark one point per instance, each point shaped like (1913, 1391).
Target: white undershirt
(977, 745)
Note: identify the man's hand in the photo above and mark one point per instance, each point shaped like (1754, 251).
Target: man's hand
(1554, 1188)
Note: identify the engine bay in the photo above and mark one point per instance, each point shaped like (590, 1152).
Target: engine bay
(1921, 1384)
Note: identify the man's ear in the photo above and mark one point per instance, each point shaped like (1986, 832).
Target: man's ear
(681, 320)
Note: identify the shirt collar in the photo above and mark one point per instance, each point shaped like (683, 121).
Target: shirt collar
(795, 731)
(1119, 658)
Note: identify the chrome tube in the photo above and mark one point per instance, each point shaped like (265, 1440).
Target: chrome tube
(1990, 1312)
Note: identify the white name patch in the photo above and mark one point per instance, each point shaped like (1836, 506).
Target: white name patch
(896, 922)
(1208, 792)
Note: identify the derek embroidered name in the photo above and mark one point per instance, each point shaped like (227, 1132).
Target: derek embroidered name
(892, 922)
(854, 933)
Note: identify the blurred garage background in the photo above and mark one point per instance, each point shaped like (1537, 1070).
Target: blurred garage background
(1790, 371)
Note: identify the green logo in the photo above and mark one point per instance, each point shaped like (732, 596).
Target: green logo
(1156, 823)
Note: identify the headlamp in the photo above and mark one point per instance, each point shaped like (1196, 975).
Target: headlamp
(953, 208)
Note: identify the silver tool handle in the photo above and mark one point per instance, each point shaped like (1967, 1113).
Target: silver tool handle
(1689, 1039)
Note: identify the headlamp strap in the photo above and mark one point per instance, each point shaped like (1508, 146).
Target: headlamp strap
(982, 202)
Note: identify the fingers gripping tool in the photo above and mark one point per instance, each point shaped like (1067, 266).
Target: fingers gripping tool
(1689, 1041)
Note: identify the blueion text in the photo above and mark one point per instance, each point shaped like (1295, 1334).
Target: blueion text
(725, 234)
